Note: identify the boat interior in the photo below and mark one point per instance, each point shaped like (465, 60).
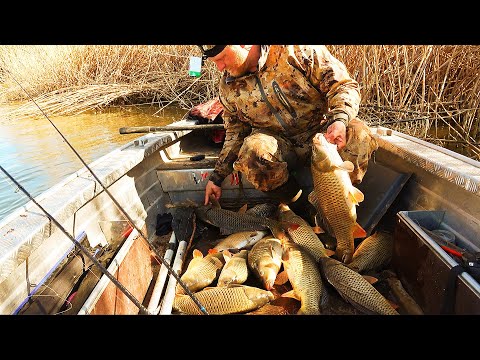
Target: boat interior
(411, 188)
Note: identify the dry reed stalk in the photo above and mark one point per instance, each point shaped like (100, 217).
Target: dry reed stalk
(68, 80)
(437, 83)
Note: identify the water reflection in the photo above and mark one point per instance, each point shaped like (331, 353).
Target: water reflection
(37, 156)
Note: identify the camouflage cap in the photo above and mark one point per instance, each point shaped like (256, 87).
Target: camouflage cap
(211, 50)
(359, 148)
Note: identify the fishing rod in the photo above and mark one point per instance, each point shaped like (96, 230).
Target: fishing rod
(164, 262)
(142, 308)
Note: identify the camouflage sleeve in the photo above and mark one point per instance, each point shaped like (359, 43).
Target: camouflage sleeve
(330, 76)
(235, 132)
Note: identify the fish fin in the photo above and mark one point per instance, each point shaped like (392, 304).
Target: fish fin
(281, 278)
(347, 165)
(283, 207)
(318, 230)
(281, 235)
(393, 304)
(272, 252)
(329, 252)
(356, 195)
(312, 198)
(371, 279)
(359, 231)
(197, 253)
(243, 209)
(227, 255)
(322, 222)
(290, 225)
(215, 202)
(291, 294)
(211, 251)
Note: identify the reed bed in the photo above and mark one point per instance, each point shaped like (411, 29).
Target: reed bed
(428, 91)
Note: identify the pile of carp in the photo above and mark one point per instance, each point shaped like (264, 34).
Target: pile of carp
(269, 247)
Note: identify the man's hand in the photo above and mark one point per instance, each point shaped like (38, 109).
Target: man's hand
(337, 134)
(211, 188)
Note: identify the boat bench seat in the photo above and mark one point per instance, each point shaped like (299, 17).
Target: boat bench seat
(184, 179)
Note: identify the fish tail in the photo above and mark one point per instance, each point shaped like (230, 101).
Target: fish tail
(359, 231)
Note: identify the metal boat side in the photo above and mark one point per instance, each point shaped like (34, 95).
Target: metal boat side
(31, 246)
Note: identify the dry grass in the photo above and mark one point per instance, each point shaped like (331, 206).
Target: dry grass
(431, 92)
(66, 80)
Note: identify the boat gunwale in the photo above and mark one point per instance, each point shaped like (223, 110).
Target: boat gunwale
(462, 171)
(15, 249)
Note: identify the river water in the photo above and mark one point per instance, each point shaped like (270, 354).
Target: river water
(34, 153)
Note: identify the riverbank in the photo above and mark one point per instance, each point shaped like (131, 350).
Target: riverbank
(417, 89)
(38, 157)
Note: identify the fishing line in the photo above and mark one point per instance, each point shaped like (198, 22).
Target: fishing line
(164, 262)
(142, 308)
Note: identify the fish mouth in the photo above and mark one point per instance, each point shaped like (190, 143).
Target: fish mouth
(319, 139)
(344, 255)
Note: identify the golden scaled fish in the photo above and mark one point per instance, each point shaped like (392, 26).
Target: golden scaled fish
(354, 288)
(233, 299)
(304, 276)
(235, 270)
(265, 260)
(241, 240)
(373, 253)
(304, 234)
(334, 196)
(231, 221)
(201, 271)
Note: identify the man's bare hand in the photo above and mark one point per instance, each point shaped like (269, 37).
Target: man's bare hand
(337, 134)
(210, 189)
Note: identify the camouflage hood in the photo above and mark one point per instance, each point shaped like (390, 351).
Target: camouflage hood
(359, 149)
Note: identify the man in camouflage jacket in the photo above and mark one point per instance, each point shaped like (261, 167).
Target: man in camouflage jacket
(275, 99)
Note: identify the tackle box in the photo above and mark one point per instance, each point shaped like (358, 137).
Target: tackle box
(424, 267)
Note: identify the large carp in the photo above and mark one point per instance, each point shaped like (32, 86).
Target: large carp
(373, 253)
(354, 288)
(235, 270)
(334, 196)
(201, 271)
(304, 234)
(304, 276)
(265, 210)
(232, 221)
(233, 299)
(265, 260)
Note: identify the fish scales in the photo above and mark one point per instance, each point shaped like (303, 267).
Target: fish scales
(235, 270)
(334, 195)
(265, 260)
(224, 300)
(304, 234)
(304, 276)
(373, 252)
(354, 288)
(201, 271)
(233, 221)
(267, 210)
